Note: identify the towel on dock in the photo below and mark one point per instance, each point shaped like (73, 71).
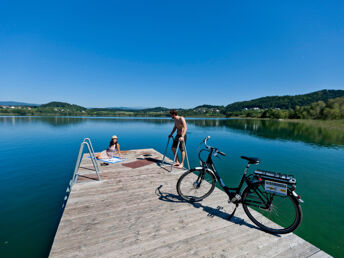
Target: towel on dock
(113, 160)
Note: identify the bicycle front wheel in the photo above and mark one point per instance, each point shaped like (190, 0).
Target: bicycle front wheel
(196, 184)
(273, 213)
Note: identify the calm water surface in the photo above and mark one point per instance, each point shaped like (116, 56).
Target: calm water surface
(38, 154)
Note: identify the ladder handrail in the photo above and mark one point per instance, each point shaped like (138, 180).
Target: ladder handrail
(163, 159)
(175, 156)
(88, 143)
(91, 150)
(93, 158)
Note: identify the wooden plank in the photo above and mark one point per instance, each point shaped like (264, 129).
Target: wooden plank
(136, 212)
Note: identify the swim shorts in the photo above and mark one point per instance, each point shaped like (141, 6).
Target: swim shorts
(176, 140)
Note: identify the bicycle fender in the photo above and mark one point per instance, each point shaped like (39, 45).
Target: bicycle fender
(297, 197)
(293, 194)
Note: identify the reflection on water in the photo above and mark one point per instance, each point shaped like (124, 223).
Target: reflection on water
(291, 131)
(271, 129)
(53, 121)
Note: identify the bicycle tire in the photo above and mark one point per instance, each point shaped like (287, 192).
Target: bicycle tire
(271, 220)
(192, 180)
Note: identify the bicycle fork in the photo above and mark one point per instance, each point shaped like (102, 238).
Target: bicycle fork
(199, 180)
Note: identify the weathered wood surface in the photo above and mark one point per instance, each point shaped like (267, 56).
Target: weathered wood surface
(137, 213)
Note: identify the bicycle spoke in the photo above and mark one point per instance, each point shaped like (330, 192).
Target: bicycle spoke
(195, 185)
(280, 213)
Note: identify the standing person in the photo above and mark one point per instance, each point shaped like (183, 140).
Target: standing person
(181, 127)
(110, 151)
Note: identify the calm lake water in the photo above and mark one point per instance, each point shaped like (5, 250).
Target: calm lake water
(38, 155)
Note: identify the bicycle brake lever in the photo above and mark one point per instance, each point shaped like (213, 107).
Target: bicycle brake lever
(216, 155)
(219, 157)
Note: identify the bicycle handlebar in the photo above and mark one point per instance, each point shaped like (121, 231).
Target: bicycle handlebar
(221, 153)
(205, 141)
(210, 147)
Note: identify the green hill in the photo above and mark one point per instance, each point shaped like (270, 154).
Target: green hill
(324, 104)
(63, 105)
(156, 109)
(285, 102)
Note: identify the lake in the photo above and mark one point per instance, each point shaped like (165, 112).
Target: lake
(38, 155)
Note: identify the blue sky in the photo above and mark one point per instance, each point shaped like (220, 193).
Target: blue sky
(168, 53)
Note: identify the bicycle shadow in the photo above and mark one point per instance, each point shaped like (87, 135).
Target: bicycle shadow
(212, 212)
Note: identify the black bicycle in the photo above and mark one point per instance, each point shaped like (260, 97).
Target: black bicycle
(269, 198)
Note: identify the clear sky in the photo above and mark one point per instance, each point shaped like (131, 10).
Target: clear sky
(168, 53)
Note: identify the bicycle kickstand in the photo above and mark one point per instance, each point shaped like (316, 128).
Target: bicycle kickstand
(231, 215)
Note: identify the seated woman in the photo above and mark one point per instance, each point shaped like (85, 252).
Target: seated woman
(110, 151)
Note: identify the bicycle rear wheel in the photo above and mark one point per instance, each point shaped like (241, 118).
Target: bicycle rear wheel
(273, 213)
(196, 184)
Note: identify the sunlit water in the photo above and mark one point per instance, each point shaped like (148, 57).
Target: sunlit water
(38, 154)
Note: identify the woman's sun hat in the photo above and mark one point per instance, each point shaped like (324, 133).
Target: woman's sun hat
(114, 137)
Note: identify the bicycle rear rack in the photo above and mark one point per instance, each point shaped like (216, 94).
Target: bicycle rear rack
(88, 143)
(275, 176)
(163, 163)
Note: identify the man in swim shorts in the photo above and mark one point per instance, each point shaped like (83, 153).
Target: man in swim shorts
(181, 127)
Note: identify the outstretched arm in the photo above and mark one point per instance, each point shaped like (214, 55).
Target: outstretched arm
(185, 127)
(119, 151)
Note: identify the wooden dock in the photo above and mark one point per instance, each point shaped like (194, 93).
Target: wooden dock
(135, 211)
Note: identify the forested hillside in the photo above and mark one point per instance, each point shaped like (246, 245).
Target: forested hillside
(285, 102)
(324, 104)
(63, 105)
(333, 109)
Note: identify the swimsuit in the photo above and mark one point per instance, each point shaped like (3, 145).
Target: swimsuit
(176, 140)
(108, 153)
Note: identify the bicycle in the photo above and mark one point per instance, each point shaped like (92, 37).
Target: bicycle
(272, 194)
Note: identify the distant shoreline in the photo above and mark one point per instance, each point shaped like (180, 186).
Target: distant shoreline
(133, 116)
(320, 105)
(329, 124)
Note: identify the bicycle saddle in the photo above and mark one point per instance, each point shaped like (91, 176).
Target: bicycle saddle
(251, 160)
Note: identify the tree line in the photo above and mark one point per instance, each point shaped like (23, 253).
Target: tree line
(330, 110)
(285, 102)
(323, 107)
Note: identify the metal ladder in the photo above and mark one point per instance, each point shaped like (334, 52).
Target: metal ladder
(163, 163)
(88, 143)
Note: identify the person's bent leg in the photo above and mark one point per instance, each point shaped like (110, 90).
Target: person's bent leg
(177, 159)
(182, 151)
(181, 165)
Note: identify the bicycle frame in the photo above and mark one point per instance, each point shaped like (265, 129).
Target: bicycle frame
(231, 192)
(253, 190)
